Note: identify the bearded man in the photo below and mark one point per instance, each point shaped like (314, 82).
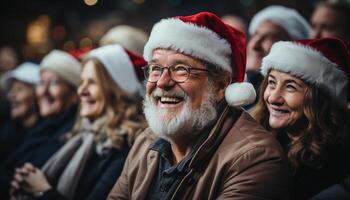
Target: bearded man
(196, 146)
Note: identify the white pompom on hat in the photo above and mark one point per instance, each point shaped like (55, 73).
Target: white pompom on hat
(289, 19)
(204, 36)
(324, 62)
(123, 66)
(64, 64)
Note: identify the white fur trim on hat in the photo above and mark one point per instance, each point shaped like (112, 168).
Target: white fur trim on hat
(289, 19)
(190, 39)
(307, 64)
(64, 65)
(240, 94)
(26, 72)
(119, 67)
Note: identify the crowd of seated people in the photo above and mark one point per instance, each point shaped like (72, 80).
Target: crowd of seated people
(196, 110)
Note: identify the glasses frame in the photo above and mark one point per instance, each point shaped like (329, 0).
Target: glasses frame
(189, 69)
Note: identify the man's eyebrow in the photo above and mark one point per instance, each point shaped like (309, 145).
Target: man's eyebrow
(154, 60)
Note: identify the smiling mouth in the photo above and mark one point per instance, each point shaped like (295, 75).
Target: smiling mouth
(88, 101)
(14, 104)
(169, 100)
(279, 111)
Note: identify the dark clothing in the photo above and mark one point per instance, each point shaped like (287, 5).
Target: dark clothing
(4, 107)
(38, 146)
(255, 78)
(339, 192)
(98, 178)
(44, 140)
(169, 176)
(309, 180)
(12, 134)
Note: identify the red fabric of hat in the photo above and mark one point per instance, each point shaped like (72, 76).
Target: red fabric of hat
(234, 37)
(333, 49)
(138, 62)
(204, 36)
(324, 62)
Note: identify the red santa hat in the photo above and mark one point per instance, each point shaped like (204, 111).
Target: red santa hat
(123, 66)
(324, 62)
(204, 36)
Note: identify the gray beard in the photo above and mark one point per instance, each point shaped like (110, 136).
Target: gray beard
(186, 124)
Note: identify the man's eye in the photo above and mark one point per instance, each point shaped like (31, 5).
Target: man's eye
(155, 69)
(180, 68)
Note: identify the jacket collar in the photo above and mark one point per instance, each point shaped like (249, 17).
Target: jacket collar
(218, 132)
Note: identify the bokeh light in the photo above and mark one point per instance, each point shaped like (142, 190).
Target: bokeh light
(90, 2)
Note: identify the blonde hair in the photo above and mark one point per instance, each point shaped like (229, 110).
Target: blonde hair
(123, 113)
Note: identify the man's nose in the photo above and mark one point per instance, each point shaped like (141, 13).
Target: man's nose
(165, 79)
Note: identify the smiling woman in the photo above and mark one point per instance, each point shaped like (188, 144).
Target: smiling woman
(90, 162)
(303, 102)
(284, 96)
(23, 107)
(22, 93)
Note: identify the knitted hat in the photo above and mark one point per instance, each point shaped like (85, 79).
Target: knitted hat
(27, 72)
(123, 66)
(64, 65)
(204, 36)
(289, 19)
(129, 37)
(324, 62)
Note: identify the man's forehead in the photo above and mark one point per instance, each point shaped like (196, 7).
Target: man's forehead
(169, 55)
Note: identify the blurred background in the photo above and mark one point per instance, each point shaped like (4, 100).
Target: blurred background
(31, 28)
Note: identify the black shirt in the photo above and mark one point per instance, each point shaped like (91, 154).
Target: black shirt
(168, 176)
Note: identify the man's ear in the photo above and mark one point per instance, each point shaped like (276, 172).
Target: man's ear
(222, 85)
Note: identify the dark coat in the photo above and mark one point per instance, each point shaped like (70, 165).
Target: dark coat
(311, 180)
(4, 107)
(98, 177)
(339, 191)
(38, 146)
(12, 134)
(43, 141)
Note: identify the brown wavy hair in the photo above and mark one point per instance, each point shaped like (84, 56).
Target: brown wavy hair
(123, 113)
(325, 127)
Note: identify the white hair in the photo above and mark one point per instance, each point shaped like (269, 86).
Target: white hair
(188, 122)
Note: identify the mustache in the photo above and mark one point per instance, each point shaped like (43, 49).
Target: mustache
(172, 93)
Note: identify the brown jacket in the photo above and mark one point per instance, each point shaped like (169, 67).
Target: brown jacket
(239, 160)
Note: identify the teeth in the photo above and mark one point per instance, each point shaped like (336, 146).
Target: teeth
(279, 111)
(169, 100)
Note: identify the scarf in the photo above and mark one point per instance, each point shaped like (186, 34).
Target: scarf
(72, 158)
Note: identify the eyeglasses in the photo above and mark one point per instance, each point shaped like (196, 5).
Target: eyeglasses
(178, 73)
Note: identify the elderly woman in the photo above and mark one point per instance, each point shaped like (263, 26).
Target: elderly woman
(88, 165)
(57, 99)
(303, 102)
(58, 103)
(24, 109)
